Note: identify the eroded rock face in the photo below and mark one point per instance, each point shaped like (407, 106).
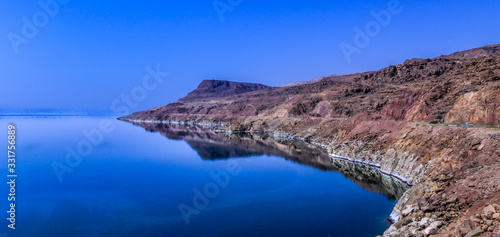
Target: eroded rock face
(454, 170)
(476, 108)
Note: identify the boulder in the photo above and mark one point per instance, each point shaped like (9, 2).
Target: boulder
(424, 222)
(489, 222)
(497, 207)
(452, 200)
(474, 233)
(408, 210)
(489, 211)
(433, 228)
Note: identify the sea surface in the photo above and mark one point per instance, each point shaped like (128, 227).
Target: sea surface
(98, 176)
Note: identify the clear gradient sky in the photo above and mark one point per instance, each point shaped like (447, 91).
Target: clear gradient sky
(91, 52)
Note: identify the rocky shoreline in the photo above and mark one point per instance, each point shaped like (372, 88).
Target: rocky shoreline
(432, 205)
(395, 119)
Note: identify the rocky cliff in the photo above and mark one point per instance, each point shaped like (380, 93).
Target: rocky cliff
(401, 119)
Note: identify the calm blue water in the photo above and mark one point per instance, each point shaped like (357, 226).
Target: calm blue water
(132, 183)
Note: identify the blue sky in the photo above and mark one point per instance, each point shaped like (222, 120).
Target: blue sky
(91, 52)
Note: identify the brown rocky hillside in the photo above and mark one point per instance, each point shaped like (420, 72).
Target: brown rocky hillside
(459, 88)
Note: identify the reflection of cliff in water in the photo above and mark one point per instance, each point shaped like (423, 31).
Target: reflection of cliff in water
(212, 146)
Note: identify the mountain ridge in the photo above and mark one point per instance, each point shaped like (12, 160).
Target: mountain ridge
(443, 89)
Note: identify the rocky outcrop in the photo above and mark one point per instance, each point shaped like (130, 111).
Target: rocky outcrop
(478, 107)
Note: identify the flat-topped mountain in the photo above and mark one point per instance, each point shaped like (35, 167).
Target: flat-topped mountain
(210, 89)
